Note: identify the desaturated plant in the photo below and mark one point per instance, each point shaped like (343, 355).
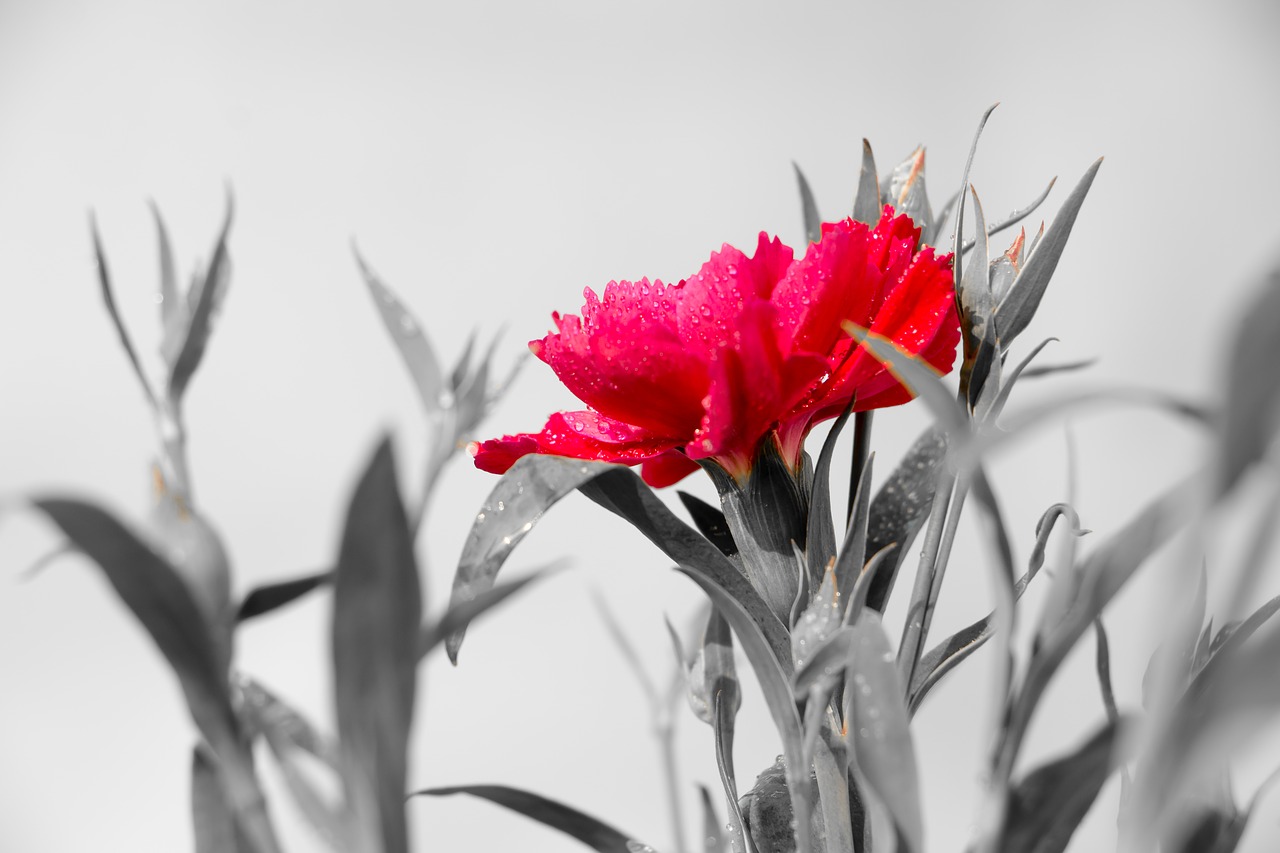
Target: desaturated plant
(726, 373)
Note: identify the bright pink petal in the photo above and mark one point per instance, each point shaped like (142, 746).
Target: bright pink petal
(578, 435)
(624, 359)
(753, 384)
(667, 469)
(712, 300)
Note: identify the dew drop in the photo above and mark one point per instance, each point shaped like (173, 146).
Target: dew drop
(501, 506)
(479, 517)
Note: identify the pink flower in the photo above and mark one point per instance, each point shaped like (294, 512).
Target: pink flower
(747, 349)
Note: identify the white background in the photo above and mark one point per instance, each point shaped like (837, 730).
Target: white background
(493, 159)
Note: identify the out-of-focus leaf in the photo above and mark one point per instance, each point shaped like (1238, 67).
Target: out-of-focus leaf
(833, 796)
(1213, 831)
(1017, 309)
(710, 522)
(917, 375)
(1104, 573)
(272, 596)
(1252, 405)
(1048, 805)
(406, 332)
(595, 834)
(171, 313)
(1006, 387)
(211, 817)
(109, 299)
(210, 295)
(461, 614)
(812, 220)
(531, 487)
(713, 838)
(290, 736)
(1102, 663)
(377, 610)
(879, 729)
(161, 602)
(905, 190)
(901, 506)
(866, 202)
(820, 538)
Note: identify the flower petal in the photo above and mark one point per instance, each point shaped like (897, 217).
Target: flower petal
(578, 435)
(624, 359)
(667, 469)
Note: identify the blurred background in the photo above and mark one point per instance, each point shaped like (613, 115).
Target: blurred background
(493, 159)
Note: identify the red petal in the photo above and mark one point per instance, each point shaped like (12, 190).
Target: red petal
(667, 469)
(578, 435)
(624, 359)
(712, 300)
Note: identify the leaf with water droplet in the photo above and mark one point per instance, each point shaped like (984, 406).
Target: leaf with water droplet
(410, 339)
(594, 833)
(883, 754)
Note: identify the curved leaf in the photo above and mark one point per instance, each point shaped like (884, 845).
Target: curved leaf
(272, 596)
(812, 220)
(866, 201)
(109, 299)
(595, 834)
(820, 538)
(211, 292)
(461, 614)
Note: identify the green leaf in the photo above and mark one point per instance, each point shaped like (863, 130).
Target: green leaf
(209, 297)
(1249, 417)
(406, 332)
(710, 522)
(109, 299)
(1048, 805)
(812, 221)
(211, 816)
(977, 306)
(171, 313)
(724, 711)
(533, 485)
(593, 833)
(901, 507)
(866, 202)
(1017, 309)
(273, 596)
(713, 838)
(905, 190)
(850, 563)
(377, 610)
(712, 676)
(818, 621)
(1016, 216)
(879, 729)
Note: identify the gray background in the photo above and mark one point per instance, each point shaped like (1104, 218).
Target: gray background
(493, 159)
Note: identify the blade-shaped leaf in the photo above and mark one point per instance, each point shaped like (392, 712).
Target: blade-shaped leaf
(1017, 309)
(866, 203)
(851, 560)
(879, 729)
(901, 506)
(406, 332)
(594, 833)
(820, 538)
(109, 299)
(812, 220)
(713, 838)
(712, 676)
(1253, 386)
(710, 522)
(723, 727)
(905, 190)
(376, 617)
(1050, 802)
(272, 596)
(161, 602)
(532, 486)
(171, 312)
(1016, 216)
(211, 292)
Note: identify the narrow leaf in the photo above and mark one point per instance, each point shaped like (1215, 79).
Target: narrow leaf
(866, 203)
(710, 522)
(820, 538)
(376, 618)
(1016, 216)
(812, 221)
(595, 834)
(713, 837)
(171, 312)
(406, 332)
(879, 729)
(1249, 417)
(198, 330)
(109, 299)
(273, 596)
(462, 613)
(1017, 309)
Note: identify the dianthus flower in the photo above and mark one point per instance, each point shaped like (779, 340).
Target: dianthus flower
(747, 350)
